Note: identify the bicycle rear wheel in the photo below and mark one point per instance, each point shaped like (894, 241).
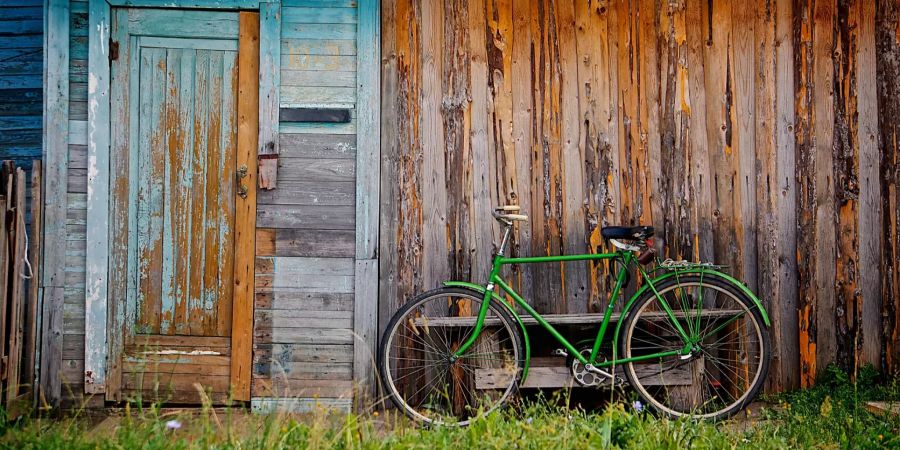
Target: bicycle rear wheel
(730, 358)
(422, 376)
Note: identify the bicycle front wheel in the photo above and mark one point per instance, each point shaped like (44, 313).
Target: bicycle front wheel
(730, 352)
(418, 367)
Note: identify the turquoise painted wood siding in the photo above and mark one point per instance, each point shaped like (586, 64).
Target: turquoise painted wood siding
(305, 271)
(307, 265)
(185, 212)
(21, 68)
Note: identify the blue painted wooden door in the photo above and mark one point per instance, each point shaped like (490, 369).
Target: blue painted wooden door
(175, 81)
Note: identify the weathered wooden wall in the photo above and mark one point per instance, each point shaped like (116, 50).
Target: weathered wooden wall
(305, 245)
(21, 67)
(759, 134)
(305, 241)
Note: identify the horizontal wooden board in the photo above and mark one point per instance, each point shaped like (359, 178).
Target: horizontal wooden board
(183, 23)
(327, 15)
(304, 336)
(281, 318)
(315, 301)
(319, 3)
(301, 353)
(293, 192)
(314, 243)
(561, 377)
(317, 78)
(304, 370)
(306, 217)
(304, 95)
(317, 128)
(164, 382)
(316, 169)
(275, 387)
(264, 405)
(318, 47)
(318, 146)
(199, 371)
(297, 30)
(318, 62)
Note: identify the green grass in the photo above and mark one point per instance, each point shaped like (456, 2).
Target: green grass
(832, 415)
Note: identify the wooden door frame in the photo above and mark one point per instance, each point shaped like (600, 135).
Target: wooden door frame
(256, 122)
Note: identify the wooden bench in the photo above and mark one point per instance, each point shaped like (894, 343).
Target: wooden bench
(552, 373)
(561, 319)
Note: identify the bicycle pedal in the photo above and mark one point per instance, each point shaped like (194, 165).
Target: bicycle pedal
(561, 352)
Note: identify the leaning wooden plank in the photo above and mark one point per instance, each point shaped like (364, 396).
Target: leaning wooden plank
(269, 92)
(4, 279)
(17, 297)
(96, 269)
(34, 246)
(245, 207)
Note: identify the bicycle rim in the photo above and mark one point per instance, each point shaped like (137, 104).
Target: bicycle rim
(420, 373)
(728, 363)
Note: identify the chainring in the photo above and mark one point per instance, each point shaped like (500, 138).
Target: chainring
(582, 375)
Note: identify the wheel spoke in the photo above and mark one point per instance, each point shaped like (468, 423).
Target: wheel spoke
(419, 375)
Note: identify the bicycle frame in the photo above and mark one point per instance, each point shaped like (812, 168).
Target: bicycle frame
(626, 258)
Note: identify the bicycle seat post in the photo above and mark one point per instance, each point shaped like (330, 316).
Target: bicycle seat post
(507, 233)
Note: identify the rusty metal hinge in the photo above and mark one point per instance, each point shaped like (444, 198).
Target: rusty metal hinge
(113, 50)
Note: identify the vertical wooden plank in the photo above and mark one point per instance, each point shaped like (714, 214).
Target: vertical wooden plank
(269, 87)
(5, 259)
(151, 212)
(701, 179)
(434, 200)
(776, 235)
(887, 21)
(388, 254)
(457, 123)
(226, 91)
(34, 251)
(870, 207)
(368, 119)
(245, 208)
(17, 297)
(575, 280)
(806, 219)
(55, 156)
(822, 152)
(845, 320)
(785, 181)
(97, 250)
(652, 96)
(123, 163)
(744, 121)
(200, 315)
(517, 167)
(368, 156)
(484, 162)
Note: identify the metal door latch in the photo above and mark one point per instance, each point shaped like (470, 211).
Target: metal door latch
(241, 174)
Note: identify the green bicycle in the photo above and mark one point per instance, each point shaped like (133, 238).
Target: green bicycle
(693, 341)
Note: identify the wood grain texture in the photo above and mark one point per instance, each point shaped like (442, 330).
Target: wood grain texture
(98, 205)
(245, 208)
(270, 15)
(708, 120)
(56, 77)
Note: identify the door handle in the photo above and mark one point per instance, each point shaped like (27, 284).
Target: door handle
(241, 174)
